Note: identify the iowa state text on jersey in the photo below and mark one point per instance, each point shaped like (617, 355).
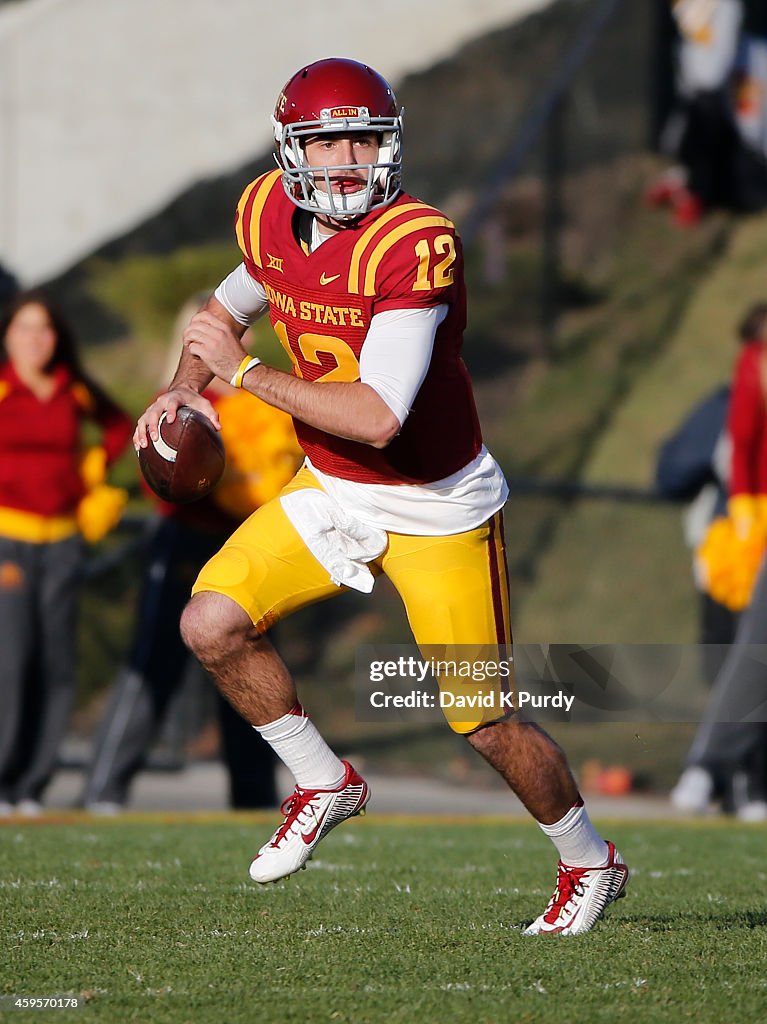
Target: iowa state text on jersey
(404, 256)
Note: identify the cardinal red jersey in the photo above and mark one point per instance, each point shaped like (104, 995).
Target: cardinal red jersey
(41, 444)
(747, 422)
(404, 256)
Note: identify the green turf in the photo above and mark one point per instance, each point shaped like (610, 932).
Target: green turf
(394, 921)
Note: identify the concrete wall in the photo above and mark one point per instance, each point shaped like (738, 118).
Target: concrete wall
(109, 108)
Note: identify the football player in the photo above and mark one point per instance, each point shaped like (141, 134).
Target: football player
(364, 287)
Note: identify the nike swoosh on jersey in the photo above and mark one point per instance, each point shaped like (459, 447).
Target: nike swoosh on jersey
(328, 280)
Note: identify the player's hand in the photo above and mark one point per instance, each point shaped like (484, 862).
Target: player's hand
(215, 343)
(169, 403)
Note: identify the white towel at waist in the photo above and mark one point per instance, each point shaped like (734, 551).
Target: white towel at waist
(340, 543)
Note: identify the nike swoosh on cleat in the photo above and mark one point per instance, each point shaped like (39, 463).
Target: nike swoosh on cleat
(309, 837)
(328, 280)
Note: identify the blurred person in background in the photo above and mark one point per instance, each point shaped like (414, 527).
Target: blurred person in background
(693, 466)
(751, 108)
(731, 567)
(702, 133)
(52, 495)
(262, 456)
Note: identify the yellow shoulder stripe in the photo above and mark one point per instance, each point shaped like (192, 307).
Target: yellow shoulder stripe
(394, 236)
(239, 226)
(249, 210)
(366, 236)
(5, 387)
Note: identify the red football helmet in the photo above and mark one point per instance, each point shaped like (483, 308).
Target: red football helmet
(338, 95)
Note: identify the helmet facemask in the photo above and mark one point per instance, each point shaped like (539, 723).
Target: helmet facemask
(310, 187)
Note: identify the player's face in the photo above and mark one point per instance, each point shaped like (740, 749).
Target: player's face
(30, 339)
(350, 151)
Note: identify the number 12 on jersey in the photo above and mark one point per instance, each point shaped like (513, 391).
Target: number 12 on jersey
(433, 271)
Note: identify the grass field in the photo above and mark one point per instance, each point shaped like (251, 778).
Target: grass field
(155, 920)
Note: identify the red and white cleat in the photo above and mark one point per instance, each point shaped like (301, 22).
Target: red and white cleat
(309, 815)
(581, 896)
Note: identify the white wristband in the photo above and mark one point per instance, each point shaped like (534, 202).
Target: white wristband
(247, 364)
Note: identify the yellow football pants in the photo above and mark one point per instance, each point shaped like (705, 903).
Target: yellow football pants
(454, 588)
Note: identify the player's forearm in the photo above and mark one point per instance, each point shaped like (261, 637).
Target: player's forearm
(191, 372)
(350, 410)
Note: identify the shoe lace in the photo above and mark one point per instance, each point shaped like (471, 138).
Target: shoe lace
(569, 885)
(296, 804)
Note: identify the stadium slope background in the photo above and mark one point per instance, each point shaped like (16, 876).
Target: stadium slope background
(645, 328)
(109, 110)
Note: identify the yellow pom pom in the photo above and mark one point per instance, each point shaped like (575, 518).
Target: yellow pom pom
(100, 511)
(262, 453)
(760, 507)
(743, 511)
(729, 562)
(93, 467)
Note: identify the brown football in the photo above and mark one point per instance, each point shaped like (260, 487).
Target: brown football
(186, 462)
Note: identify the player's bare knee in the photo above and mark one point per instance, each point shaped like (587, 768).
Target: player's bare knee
(193, 622)
(213, 627)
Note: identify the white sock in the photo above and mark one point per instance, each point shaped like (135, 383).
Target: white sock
(295, 740)
(578, 842)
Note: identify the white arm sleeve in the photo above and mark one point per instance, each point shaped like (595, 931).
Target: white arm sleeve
(397, 351)
(242, 296)
(396, 355)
